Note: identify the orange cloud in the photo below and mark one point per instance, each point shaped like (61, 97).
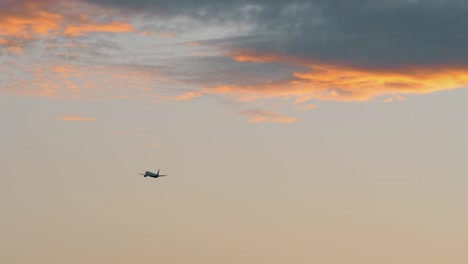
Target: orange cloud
(32, 20)
(188, 96)
(76, 118)
(259, 116)
(248, 57)
(115, 27)
(345, 84)
(339, 83)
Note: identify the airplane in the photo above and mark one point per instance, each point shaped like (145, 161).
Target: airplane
(153, 175)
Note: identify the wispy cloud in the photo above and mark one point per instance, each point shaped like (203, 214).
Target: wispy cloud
(161, 34)
(75, 118)
(309, 106)
(141, 129)
(23, 22)
(114, 27)
(75, 81)
(153, 145)
(188, 96)
(259, 116)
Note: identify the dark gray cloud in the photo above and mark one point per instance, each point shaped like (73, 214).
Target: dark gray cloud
(366, 33)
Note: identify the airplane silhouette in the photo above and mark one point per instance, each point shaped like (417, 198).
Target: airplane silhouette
(153, 175)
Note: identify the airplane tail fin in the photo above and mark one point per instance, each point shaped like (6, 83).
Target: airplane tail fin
(158, 172)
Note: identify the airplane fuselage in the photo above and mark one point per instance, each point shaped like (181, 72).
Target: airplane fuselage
(150, 174)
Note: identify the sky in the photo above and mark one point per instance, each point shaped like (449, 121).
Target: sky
(301, 131)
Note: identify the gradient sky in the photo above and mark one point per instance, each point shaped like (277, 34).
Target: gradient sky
(302, 131)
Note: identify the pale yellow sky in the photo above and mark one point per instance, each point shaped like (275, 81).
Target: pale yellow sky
(382, 187)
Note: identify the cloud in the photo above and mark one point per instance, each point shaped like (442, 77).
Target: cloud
(162, 34)
(384, 34)
(309, 106)
(363, 34)
(188, 96)
(259, 116)
(242, 52)
(323, 50)
(75, 118)
(119, 133)
(73, 81)
(114, 27)
(25, 20)
(338, 83)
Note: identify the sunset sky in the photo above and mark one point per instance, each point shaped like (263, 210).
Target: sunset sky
(300, 131)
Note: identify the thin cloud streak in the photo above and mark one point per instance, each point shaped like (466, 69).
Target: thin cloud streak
(260, 116)
(188, 96)
(154, 145)
(309, 106)
(75, 118)
(114, 27)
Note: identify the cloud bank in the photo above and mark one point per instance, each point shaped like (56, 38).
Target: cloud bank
(240, 51)
(372, 34)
